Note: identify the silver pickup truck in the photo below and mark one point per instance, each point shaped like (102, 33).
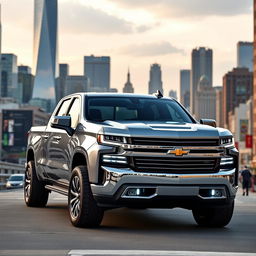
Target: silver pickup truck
(128, 150)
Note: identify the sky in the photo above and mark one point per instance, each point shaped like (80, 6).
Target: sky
(136, 34)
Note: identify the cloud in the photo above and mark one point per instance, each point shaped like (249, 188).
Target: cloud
(189, 8)
(152, 49)
(78, 18)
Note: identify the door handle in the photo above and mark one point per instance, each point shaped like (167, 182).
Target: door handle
(45, 136)
(57, 137)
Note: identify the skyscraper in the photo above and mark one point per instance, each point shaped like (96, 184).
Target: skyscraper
(45, 48)
(245, 55)
(128, 88)
(205, 100)
(74, 84)
(60, 81)
(219, 106)
(9, 81)
(155, 79)
(185, 88)
(0, 46)
(25, 83)
(201, 65)
(97, 69)
(237, 88)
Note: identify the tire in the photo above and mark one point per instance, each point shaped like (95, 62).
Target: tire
(214, 216)
(83, 209)
(35, 194)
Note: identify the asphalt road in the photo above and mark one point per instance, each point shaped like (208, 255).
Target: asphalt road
(47, 231)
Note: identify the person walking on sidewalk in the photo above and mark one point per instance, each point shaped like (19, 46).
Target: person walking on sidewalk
(246, 180)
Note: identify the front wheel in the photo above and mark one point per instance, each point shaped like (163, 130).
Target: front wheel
(83, 209)
(214, 216)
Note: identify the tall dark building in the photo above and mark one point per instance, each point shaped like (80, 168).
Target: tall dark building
(97, 69)
(245, 55)
(9, 80)
(185, 88)
(237, 88)
(201, 65)
(25, 83)
(155, 79)
(60, 81)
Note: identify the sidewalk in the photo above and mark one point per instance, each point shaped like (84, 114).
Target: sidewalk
(239, 195)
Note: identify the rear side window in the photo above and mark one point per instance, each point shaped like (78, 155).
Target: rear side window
(63, 108)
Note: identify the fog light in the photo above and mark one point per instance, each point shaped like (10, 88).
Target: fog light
(212, 193)
(133, 192)
(139, 192)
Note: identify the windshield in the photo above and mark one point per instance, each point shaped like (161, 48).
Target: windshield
(135, 109)
(16, 178)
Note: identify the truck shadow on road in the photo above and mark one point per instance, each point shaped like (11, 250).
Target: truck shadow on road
(157, 220)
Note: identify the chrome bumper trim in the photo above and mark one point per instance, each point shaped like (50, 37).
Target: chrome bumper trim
(119, 172)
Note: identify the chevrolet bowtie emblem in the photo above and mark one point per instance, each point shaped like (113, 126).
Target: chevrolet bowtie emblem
(178, 152)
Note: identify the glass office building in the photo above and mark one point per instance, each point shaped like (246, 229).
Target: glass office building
(45, 65)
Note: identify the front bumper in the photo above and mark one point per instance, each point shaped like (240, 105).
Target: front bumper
(171, 190)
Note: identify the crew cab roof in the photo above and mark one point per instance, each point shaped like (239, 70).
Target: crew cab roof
(118, 95)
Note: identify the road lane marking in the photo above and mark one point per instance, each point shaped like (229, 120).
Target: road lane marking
(153, 252)
(33, 252)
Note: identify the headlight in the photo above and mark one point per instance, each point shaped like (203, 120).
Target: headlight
(226, 161)
(114, 159)
(8, 184)
(227, 141)
(111, 139)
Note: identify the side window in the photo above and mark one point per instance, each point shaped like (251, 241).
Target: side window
(63, 108)
(74, 112)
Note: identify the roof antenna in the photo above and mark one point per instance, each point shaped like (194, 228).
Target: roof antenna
(158, 94)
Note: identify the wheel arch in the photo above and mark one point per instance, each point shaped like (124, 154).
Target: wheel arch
(30, 155)
(80, 157)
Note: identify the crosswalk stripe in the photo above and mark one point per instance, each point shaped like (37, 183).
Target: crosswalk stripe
(153, 252)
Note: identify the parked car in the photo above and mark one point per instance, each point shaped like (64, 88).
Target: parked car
(15, 181)
(127, 150)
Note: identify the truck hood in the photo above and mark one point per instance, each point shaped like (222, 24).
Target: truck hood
(162, 129)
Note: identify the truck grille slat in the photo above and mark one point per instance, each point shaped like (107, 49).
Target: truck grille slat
(174, 142)
(177, 165)
(168, 164)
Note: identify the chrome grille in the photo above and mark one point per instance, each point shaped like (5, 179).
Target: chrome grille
(174, 142)
(176, 165)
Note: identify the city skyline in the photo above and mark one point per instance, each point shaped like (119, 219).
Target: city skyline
(132, 41)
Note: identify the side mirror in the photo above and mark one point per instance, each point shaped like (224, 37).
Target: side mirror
(210, 122)
(64, 123)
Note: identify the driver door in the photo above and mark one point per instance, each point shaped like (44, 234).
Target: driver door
(61, 144)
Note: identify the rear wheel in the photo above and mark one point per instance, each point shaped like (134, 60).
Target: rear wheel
(83, 209)
(214, 216)
(35, 194)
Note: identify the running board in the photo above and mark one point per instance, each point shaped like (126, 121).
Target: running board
(57, 189)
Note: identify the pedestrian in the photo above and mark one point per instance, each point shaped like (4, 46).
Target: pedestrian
(246, 180)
